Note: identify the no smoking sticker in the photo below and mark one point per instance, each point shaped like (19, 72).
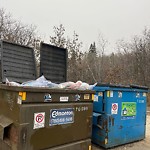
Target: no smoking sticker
(114, 108)
(39, 120)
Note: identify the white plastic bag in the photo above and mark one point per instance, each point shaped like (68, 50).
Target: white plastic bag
(11, 83)
(40, 82)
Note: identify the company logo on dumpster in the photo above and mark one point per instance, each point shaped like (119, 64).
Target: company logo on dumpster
(128, 110)
(61, 116)
(47, 98)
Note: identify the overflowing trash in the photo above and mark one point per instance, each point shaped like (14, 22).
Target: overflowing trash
(40, 82)
(43, 82)
(12, 83)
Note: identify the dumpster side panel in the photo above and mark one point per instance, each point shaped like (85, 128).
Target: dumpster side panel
(10, 118)
(130, 126)
(126, 111)
(27, 122)
(4, 145)
(57, 98)
(9, 106)
(62, 132)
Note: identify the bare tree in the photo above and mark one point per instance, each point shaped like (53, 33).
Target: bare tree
(73, 46)
(59, 38)
(15, 31)
(102, 45)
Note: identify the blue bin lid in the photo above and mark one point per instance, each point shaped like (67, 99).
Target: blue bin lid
(122, 87)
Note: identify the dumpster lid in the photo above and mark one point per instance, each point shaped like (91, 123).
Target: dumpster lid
(138, 86)
(122, 86)
(17, 62)
(53, 63)
(112, 85)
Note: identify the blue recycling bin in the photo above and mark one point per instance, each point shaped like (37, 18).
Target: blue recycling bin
(119, 114)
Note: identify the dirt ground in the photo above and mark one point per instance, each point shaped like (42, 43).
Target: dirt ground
(140, 145)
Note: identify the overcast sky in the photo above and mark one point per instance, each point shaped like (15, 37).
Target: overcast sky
(115, 19)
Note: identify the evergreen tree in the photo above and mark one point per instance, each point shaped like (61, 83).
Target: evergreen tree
(92, 48)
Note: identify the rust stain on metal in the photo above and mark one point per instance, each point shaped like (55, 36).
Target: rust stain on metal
(11, 136)
(10, 100)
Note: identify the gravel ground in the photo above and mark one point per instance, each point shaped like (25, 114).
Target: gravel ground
(140, 145)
